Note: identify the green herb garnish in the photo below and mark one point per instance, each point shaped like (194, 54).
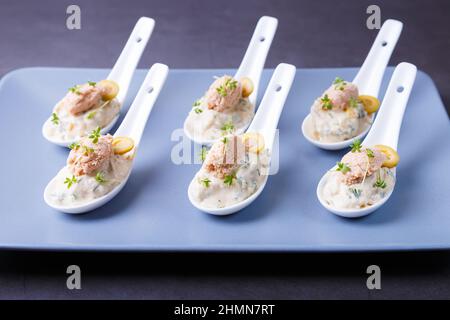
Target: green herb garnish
(326, 103)
(55, 119)
(91, 115)
(206, 182)
(380, 183)
(370, 153)
(229, 179)
(356, 192)
(221, 91)
(339, 83)
(230, 84)
(356, 145)
(338, 80)
(198, 110)
(342, 167)
(203, 153)
(227, 127)
(225, 140)
(95, 135)
(75, 90)
(353, 102)
(100, 178)
(87, 150)
(74, 145)
(70, 181)
(197, 103)
(92, 84)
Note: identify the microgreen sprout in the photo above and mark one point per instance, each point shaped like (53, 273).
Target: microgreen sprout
(55, 118)
(353, 102)
(206, 182)
(356, 145)
(356, 192)
(228, 180)
(95, 135)
(91, 115)
(70, 181)
(203, 153)
(342, 167)
(369, 153)
(100, 177)
(380, 183)
(75, 90)
(326, 102)
(227, 127)
(74, 146)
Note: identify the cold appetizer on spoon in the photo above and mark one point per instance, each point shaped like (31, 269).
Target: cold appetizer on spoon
(99, 165)
(225, 108)
(341, 113)
(365, 177)
(95, 166)
(228, 105)
(90, 105)
(84, 108)
(236, 167)
(345, 111)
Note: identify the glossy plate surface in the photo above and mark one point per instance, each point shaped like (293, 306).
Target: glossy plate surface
(153, 212)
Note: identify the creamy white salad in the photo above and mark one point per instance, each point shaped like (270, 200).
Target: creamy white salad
(341, 113)
(224, 109)
(95, 166)
(233, 169)
(84, 108)
(363, 177)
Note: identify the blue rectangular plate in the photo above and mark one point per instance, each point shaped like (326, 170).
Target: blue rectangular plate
(153, 212)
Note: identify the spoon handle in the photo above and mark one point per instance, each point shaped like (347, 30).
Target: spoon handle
(134, 122)
(269, 111)
(371, 73)
(255, 57)
(128, 60)
(386, 128)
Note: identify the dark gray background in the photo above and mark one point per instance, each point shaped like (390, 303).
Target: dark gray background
(213, 34)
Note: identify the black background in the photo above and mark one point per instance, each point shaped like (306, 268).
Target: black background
(214, 34)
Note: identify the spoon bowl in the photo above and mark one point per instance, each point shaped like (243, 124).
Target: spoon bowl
(121, 73)
(97, 203)
(348, 213)
(265, 122)
(65, 143)
(230, 209)
(251, 66)
(368, 80)
(385, 130)
(308, 129)
(132, 126)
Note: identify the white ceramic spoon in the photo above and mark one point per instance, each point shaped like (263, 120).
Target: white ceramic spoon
(368, 79)
(122, 72)
(385, 130)
(132, 126)
(265, 122)
(252, 64)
